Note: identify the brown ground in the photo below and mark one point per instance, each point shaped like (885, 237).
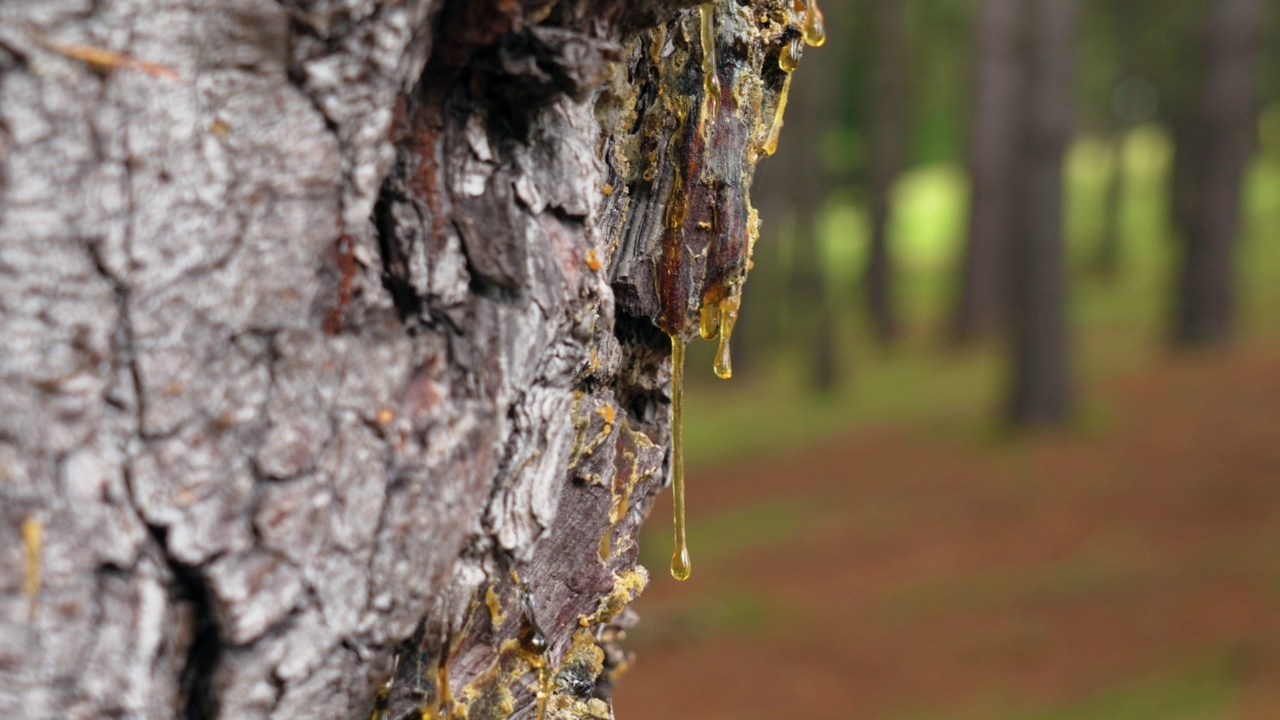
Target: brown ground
(904, 573)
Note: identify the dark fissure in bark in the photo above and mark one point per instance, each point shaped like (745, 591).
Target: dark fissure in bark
(188, 587)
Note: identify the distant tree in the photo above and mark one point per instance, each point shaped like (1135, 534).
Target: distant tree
(1041, 389)
(1214, 145)
(1127, 98)
(888, 144)
(998, 88)
(810, 112)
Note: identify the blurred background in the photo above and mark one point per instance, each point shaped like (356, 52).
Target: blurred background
(1003, 440)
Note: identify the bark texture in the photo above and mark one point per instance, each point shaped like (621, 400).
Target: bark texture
(330, 348)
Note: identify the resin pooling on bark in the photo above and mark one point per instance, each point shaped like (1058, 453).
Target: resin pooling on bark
(716, 111)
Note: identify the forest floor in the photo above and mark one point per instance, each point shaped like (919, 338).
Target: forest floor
(913, 570)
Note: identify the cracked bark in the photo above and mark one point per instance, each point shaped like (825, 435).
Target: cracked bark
(329, 347)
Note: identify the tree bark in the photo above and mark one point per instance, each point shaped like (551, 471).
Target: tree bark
(330, 349)
(1041, 388)
(998, 92)
(1216, 147)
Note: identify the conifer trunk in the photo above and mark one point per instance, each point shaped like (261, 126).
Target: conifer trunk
(329, 352)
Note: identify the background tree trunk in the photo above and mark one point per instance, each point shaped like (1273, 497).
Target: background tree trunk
(1041, 388)
(806, 183)
(1217, 146)
(329, 345)
(888, 147)
(998, 92)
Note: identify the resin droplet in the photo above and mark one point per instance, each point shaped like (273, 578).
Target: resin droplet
(709, 321)
(533, 641)
(789, 60)
(680, 565)
(728, 318)
(775, 130)
(710, 78)
(815, 29)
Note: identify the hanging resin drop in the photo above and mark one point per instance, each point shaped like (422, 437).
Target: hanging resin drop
(728, 312)
(815, 29)
(775, 128)
(708, 224)
(709, 321)
(680, 564)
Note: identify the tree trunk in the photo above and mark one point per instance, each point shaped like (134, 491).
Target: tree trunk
(888, 140)
(330, 347)
(798, 181)
(1133, 101)
(1041, 388)
(998, 91)
(1217, 146)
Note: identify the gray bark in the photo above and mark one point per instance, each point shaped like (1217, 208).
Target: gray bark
(311, 347)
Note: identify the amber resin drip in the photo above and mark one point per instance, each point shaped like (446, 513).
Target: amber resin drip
(32, 541)
(710, 77)
(709, 227)
(709, 321)
(775, 129)
(728, 312)
(815, 30)
(440, 707)
(534, 646)
(538, 661)
(680, 565)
